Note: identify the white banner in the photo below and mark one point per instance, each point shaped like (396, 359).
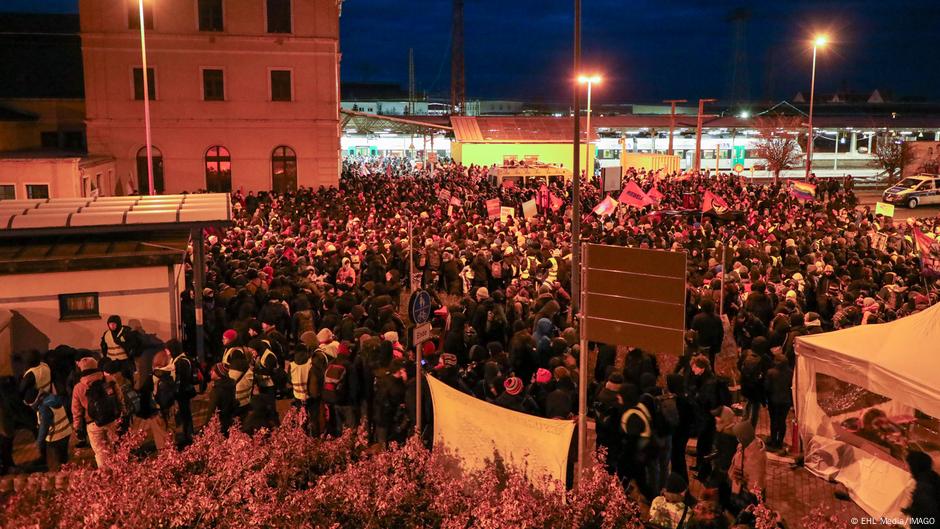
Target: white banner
(474, 430)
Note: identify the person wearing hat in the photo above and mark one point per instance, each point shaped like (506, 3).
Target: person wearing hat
(515, 399)
(669, 510)
(119, 343)
(97, 406)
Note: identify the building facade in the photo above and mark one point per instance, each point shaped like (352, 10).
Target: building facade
(243, 93)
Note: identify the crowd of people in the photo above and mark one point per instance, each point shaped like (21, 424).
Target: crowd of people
(304, 295)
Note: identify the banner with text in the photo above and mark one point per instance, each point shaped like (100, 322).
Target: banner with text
(492, 208)
(474, 430)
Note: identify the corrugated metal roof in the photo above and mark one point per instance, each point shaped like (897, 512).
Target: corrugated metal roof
(159, 211)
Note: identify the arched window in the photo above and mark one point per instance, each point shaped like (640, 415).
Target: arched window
(218, 170)
(283, 169)
(143, 179)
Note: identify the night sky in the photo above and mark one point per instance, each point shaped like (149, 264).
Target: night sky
(648, 50)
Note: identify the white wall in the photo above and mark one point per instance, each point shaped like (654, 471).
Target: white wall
(147, 294)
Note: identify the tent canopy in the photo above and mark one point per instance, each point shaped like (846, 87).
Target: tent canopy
(899, 359)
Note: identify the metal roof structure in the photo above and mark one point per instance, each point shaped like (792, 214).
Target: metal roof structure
(371, 123)
(66, 253)
(63, 216)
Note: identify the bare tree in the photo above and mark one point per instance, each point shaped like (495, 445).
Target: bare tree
(892, 155)
(777, 145)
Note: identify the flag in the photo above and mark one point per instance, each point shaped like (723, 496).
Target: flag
(712, 201)
(529, 209)
(605, 207)
(492, 208)
(929, 254)
(655, 195)
(803, 190)
(632, 195)
(454, 201)
(556, 202)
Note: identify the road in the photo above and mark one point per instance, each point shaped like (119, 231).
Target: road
(869, 197)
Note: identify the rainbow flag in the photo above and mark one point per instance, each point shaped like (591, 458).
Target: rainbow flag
(605, 207)
(803, 190)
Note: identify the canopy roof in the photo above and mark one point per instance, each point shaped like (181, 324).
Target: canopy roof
(899, 359)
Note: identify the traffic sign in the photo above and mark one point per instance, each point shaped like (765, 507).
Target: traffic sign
(738, 168)
(421, 333)
(419, 306)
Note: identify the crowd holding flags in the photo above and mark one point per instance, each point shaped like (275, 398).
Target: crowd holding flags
(712, 201)
(632, 195)
(606, 206)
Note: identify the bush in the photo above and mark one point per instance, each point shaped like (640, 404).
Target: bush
(285, 478)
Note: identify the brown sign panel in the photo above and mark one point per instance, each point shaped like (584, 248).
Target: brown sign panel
(635, 297)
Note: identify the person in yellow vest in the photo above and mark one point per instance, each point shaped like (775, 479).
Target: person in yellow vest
(120, 344)
(234, 352)
(244, 378)
(55, 430)
(37, 380)
(304, 387)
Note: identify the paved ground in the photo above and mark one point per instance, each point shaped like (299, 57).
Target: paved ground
(869, 197)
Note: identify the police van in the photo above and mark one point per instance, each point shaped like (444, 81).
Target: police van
(914, 191)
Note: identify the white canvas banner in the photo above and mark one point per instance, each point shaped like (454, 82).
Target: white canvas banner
(474, 430)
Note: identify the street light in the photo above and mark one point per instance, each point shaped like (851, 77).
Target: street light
(143, 56)
(590, 80)
(819, 42)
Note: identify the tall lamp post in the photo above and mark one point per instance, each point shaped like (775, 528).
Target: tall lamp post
(818, 42)
(143, 56)
(590, 80)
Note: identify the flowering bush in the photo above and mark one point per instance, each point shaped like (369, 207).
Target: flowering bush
(285, 478)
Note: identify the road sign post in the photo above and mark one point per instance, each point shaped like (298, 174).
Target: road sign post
(419, 310)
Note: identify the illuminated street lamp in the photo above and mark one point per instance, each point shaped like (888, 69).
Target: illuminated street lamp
(590, 80)
(143, 55)
(818, 42)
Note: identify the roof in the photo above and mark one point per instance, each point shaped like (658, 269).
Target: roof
(12, 114)
(66, 253)
(33, 217)
(50, 40)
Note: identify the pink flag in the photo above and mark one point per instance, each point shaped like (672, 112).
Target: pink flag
(655, 195)
(632, 195)
(556, 202)
(606, 207)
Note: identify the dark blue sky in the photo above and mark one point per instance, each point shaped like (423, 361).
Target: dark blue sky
(647, 49)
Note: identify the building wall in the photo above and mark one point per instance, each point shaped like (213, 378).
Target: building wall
(247, 122)
(66, 177)
(148, 294)
(492, 153)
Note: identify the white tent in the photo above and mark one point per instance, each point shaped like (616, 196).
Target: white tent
(900, 361)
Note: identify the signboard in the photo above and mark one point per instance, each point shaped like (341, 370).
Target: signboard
(505, 212)
(635, 297)
(421, 333)
(884, 209)
(611, 177)
(737, 158)
(879, 241)
(530, 209)
(419, 306)
(738, 168)
(492, 208)
(445, 195)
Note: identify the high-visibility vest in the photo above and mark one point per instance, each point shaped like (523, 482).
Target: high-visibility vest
(299, 378)
(61, 427)
(228, 352)
(115, 351)
(243, 385)
(43, 377)
(552, 270)
(641, 412)
(265, 381)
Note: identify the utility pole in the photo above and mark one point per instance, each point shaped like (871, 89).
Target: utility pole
(697, 162)
(458, 88)
(672, 120)
(576, 240)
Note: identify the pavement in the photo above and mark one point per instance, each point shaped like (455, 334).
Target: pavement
(868, 197)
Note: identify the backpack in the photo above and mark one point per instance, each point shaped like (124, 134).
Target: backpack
(103, 404)
(164, 394)
(667, 413)
(334, 383)
(131, 399)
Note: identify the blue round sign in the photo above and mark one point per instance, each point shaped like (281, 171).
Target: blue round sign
(419, 306)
